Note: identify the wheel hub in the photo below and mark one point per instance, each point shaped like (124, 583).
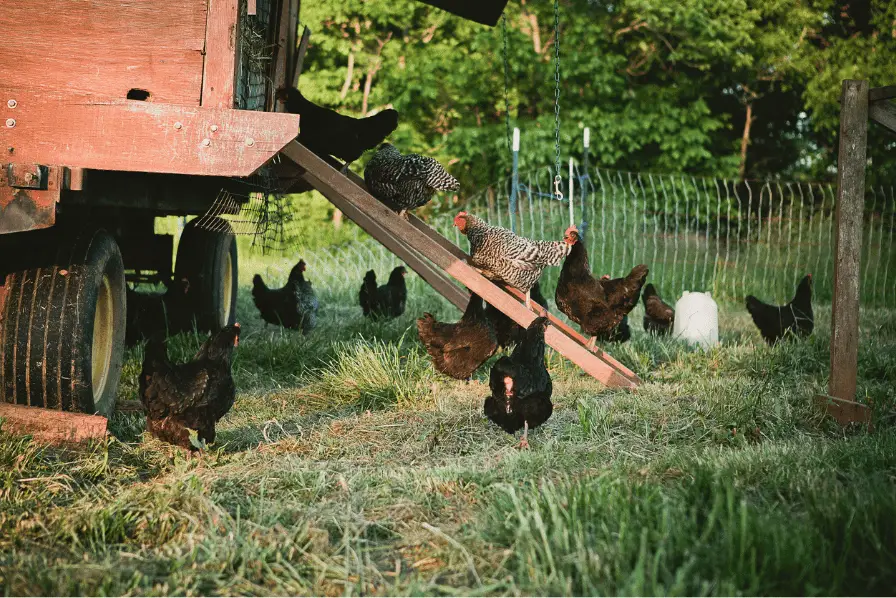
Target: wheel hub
(103, 323)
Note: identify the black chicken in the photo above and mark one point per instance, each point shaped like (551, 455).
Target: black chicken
(294, 306)
(387, 301)
(507, 331)
(457, 350)
(521, 386)
(598, 306)
(191, 396)
(328, 133)
(774, 322)
(149, 314)
(659, 317)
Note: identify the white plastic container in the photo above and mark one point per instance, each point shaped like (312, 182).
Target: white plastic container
(697, 319)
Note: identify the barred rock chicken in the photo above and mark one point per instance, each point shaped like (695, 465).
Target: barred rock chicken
(521, 386)
(507, 331)
(457, 350)
(658, 315)
(387, 301)
(191, 396)
(328, 133)
(597, 306)
(405, 182)
(774, 322)
(505, 257)
(157, 313)
(294, 306)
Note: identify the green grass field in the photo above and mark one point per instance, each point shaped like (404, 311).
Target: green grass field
(348, 466)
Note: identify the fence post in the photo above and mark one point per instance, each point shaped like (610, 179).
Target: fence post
(515, 178)
(586, 162)
(848, 246)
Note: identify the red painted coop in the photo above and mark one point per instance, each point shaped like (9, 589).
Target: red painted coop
(115, 112)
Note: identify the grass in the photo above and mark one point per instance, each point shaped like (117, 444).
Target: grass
(348, 466)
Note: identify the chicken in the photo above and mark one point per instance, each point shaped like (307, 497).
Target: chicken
(405, 182)
(457, 350)
(796, 317)
(191, 396)
(507, 331)
(294, 306)
(387, 301)
(521, 386)
(155, 313)
(658, 315)
(597, 306)
(502, 256)
(328, 133)
(621, 334)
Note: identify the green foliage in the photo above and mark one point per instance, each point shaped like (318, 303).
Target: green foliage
(663, 86)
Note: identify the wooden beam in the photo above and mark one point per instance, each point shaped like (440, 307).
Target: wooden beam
(878, 94)
(334, 184)
(291, 39)
(50, 425)
(219, 69)
(300, 57)
(884, 113)
(848, 240)
(145, 137)
(251, 8)
(281, 53)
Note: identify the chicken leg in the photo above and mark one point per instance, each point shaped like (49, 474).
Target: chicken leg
(524, 441)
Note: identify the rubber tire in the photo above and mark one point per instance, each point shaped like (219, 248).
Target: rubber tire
(202, 255)
(46, 341)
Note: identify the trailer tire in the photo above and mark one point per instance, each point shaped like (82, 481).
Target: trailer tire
(207, 259)
(62, 338)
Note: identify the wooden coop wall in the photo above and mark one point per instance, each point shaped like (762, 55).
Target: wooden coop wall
(105, 48)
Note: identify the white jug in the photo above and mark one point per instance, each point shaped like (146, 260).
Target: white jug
(697, 319)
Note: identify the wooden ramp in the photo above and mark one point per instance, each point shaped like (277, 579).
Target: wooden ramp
(434, 258)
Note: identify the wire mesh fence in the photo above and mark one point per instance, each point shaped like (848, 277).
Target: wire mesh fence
(729, 237)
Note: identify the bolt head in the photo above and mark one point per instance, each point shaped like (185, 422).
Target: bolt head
(214, 128)
(12, 103)
(10, 122)
(250, 142)
(178, 125)
(206, 142)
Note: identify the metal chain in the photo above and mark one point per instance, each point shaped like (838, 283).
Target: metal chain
(506, 81)
(557, 177)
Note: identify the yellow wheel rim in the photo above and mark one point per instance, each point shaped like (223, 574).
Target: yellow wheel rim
(228, 289)
(103, 323)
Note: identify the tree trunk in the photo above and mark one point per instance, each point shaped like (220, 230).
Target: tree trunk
(745, 141)
(349, 73)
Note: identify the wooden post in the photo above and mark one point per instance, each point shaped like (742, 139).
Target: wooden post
(848, 243)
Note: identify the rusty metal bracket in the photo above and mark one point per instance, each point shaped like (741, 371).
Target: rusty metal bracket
(26, 176)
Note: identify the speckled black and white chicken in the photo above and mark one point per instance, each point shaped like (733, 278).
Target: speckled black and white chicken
(503, 256)
(405, 182)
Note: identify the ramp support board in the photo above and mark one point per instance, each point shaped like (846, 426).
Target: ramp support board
(415, 240)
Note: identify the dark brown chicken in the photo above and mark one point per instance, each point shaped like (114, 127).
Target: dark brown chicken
(328, 133)
(191, 396)
(507, 331)
(598, 306)
(387, 301)
(659, 317)
(775, 322)
(521, 386)
(165, 313)
(458, 349)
